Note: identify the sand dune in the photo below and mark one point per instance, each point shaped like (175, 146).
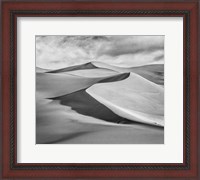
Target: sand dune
(123, 98)
(53, 85)
(91, 73)
(134, 98)
(60, 124)
(83, 103)
(86, 70)
(154, 73)
(90, 104)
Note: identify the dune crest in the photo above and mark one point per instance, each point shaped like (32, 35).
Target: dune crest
(57, 84)
(152, 72)
(76, 67)
(93, 73)
(134, 98)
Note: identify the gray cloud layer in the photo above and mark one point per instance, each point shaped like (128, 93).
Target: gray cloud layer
(54, 52)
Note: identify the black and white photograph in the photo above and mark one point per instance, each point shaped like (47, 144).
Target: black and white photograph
(99, 89)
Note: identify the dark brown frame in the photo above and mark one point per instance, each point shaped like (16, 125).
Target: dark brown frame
(187, 10)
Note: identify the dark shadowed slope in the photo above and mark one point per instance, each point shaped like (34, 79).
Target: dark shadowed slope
(73, 68)
(115, 78)
(85, 104)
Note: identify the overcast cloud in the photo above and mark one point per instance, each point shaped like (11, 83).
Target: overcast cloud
(53, 52)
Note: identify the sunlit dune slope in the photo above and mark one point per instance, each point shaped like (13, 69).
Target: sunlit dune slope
(134, 98)
(58, 84)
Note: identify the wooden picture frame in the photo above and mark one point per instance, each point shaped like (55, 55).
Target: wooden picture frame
(188, 169)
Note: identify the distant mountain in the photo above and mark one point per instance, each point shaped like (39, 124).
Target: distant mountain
(73, 68)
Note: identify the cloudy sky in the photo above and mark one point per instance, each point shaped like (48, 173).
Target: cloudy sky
(54, 52)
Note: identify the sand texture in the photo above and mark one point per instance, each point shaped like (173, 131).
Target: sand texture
(96, 103)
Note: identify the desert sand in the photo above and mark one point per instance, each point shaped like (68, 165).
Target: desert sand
(59, 124)
(88, 104)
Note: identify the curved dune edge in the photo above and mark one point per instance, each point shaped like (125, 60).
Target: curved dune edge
(84, 104)
(93, 73)
(53, 85)
(127, 101)
(132, 115)
(151, 72)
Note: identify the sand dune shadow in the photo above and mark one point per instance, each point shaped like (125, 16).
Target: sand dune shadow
(83, 103)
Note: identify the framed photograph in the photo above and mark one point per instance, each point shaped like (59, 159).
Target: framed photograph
(100, 89)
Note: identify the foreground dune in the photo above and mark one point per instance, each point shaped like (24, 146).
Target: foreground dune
(83, 103)
(57, 124)
(134, 98)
